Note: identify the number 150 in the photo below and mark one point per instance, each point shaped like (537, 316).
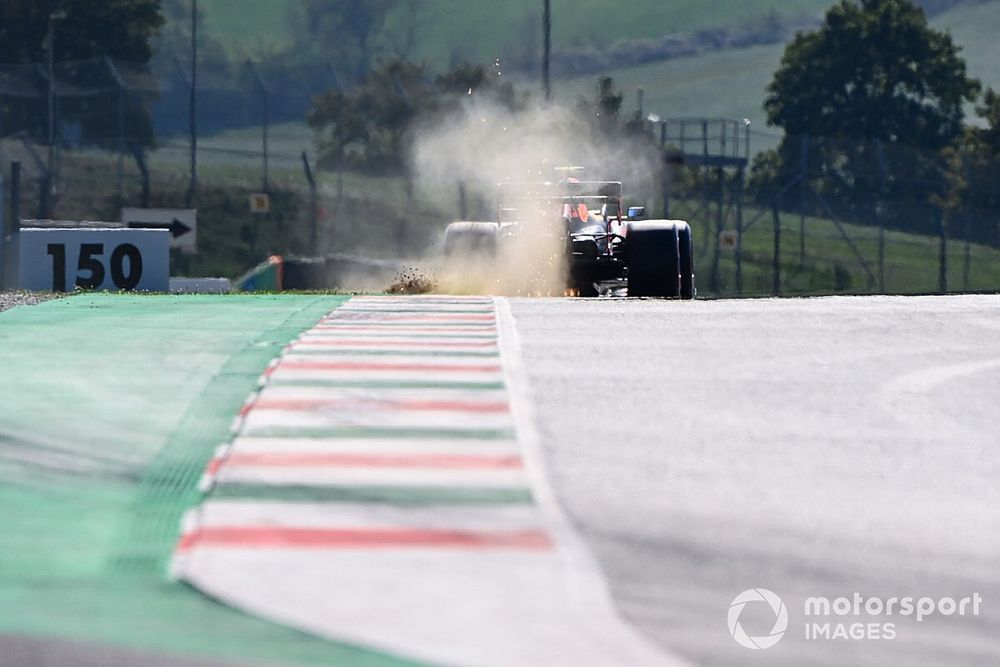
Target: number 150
(90, 261)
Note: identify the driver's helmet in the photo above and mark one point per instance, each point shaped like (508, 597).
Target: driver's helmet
(574, 210)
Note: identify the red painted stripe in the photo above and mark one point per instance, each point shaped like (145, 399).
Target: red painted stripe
(306, 404)
(213, 466)
(275, 537)
(310, 460)
(416, 329)
(385, 343)
(416, 316)
(422, 301)
(315, 365)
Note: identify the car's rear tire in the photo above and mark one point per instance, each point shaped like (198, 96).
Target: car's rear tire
(685, 243)
(654, 259)
(471, 240)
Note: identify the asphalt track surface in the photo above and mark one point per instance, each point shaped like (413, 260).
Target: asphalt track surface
(19, 651)
(819, 447)
(811, 447)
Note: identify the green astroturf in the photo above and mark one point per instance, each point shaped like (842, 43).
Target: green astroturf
(110, 406)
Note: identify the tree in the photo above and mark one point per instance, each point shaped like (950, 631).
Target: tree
(120, 29)
(875, 70)
(989, 110)
(345, 31)
(603, 111)
(365, 127)
(85, 32)
(868, 103)
(975, 175)
(368, 127)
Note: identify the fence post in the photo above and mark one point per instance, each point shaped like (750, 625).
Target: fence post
(264, 115)
(665, 177)
(777, 248)
(942, 253)
(803, 193)
(970, 200)
(720, 226)
(140, 161)
(3, 234)
(313, 203)
(463, 205)
(121, 125)
(741, 177)
(967, 257)
(15, 197)
(11, 268)
(879, 217)
(193, 107)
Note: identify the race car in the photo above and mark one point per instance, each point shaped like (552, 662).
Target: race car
(605, 246)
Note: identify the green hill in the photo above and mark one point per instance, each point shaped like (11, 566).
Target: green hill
(731, 83)
(485, 30)
(728, 82)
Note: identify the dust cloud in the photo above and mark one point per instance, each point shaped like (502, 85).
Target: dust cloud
(483, 145)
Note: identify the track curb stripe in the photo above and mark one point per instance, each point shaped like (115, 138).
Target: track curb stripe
(345, 538)
(390, 451)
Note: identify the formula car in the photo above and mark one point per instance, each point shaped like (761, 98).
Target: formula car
(605, 246)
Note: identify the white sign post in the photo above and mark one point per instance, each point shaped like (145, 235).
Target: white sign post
(182, 223)
(62, 260)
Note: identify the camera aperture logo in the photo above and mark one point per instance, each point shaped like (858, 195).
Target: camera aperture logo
(780, 618)
(858, 617)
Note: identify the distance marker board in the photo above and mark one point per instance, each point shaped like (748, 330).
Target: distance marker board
(63, 260)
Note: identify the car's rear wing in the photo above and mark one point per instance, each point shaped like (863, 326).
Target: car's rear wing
(607, 194)
(560, 190)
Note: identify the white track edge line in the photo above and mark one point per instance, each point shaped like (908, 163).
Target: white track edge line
(594, 604)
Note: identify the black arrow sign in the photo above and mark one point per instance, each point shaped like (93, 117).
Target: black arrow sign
(177, 228)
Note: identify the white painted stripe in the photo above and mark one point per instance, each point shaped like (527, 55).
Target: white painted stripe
(431, 333)
(396, 337)
(340, 351)
(488, 608)
(454, 322)
(403, 328)
(388, 394)
(581, 575)
(357, 515)
(259, 420)
(422, 299)
(379, 477)
(314, 344)
(388, 308)
(377, 446)
(293, 358)
(290, 375)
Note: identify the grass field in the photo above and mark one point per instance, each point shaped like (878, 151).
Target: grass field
(246, 22)
(450, 30)
(485, 30)
(482, 31)
(911, 260)
(732, 83)
(727, 83)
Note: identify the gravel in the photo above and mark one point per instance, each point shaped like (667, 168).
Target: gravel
(10, 300)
